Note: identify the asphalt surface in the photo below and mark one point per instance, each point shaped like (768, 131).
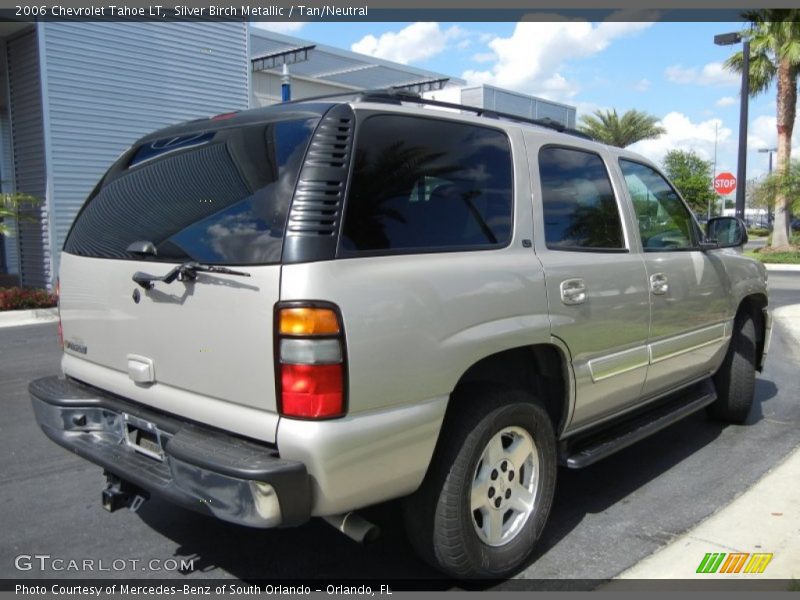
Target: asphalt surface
(606, 517)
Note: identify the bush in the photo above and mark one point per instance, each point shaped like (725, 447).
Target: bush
(758, 232)
(17, 298)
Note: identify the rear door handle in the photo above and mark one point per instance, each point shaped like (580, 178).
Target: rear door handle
(659, 284)
(573, 291)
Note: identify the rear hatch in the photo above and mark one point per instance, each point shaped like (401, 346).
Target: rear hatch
(202, 348)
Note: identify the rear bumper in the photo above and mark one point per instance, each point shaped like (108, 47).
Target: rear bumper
(200, 468)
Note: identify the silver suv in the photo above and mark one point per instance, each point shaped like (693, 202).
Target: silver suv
(307, 309)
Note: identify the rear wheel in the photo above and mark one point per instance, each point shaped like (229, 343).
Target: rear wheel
(488, 492)
(735, 380)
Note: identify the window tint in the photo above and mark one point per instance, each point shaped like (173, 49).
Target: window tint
(218, 197)
(664, 221)
(580, 211)
(428, 184)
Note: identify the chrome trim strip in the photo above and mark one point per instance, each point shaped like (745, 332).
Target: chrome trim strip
(687, 342)
(618, 363)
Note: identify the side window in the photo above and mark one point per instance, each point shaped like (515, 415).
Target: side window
(664, 221)
(580, 210)
(426, 184)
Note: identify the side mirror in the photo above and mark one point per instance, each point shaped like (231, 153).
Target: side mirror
(727, 232)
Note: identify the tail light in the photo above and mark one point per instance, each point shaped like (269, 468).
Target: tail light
(311, 370)
(58, 310)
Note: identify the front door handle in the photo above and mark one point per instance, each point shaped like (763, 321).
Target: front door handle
(573, 291)
(659, 284)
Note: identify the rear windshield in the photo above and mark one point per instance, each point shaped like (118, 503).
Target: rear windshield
(217, 197)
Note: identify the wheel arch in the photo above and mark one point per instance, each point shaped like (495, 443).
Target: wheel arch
(540, 369)
(755, 306)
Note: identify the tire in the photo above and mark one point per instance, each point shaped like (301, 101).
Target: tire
(500, 445)
(735, 379)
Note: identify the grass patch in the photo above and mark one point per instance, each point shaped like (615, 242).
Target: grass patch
(786, 255)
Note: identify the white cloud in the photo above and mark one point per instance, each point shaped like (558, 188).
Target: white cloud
(683, 134)
(726, 101)
(642, 85)
(286, 27)
(483, 57)
(762, 132)
(417, 42)
(710, 74)
(530, 60)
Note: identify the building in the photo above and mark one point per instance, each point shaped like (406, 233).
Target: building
(506, 101)
(74, 96)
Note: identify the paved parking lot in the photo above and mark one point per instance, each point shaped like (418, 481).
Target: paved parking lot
(605, 518)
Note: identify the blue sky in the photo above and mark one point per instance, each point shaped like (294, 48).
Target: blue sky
(671, 70)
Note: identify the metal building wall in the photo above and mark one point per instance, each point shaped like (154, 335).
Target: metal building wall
(25, 102)
(107, 84)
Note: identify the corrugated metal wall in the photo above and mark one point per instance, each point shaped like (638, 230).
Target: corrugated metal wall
(25, 99)
(108, 84)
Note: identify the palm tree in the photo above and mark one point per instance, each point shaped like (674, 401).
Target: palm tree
(633, 126)
(775, 57)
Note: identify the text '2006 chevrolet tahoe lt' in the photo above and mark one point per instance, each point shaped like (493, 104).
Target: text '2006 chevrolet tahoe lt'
(306, 309)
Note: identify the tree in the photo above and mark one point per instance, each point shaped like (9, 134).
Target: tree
(775, 57)
(10, 205)
(633, 126)
(784, 184)
(692, 176)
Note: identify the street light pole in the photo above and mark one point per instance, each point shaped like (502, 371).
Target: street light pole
(726, 39)
(741, 171)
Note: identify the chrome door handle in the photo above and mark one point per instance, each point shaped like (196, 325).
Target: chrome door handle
(573, 291)
(659, 284)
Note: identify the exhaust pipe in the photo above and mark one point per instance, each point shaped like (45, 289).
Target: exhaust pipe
(355, 527)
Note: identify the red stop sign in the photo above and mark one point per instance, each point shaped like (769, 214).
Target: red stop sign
(724, 183)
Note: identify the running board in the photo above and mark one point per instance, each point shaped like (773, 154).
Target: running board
(591, 448)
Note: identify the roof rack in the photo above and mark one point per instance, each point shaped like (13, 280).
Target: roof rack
(394, 95)
(397, 96)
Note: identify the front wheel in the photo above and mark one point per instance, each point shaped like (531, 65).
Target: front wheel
(488, 492)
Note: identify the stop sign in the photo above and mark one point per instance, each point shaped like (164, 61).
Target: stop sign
(724, 183)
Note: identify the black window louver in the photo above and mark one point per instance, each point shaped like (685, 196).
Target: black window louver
(316, 210)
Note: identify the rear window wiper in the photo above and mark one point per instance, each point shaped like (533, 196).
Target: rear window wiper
(185, 272)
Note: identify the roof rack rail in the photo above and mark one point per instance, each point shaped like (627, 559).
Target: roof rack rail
(397, 96)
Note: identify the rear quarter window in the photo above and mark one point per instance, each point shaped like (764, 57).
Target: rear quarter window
(422, 184)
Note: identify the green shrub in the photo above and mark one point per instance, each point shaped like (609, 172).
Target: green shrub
(17, 298)
(758, 232)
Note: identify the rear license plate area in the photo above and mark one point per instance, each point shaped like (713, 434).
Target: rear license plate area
(143, 437)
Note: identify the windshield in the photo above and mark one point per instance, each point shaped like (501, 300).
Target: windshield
(220, 197)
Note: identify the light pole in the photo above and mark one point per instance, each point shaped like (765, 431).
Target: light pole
(770, 151)
(727, 39)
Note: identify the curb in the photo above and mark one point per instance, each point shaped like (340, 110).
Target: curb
(781, 267)
(36, 316)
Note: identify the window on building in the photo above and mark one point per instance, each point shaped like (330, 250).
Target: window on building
(424, 184)
(580, 210)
